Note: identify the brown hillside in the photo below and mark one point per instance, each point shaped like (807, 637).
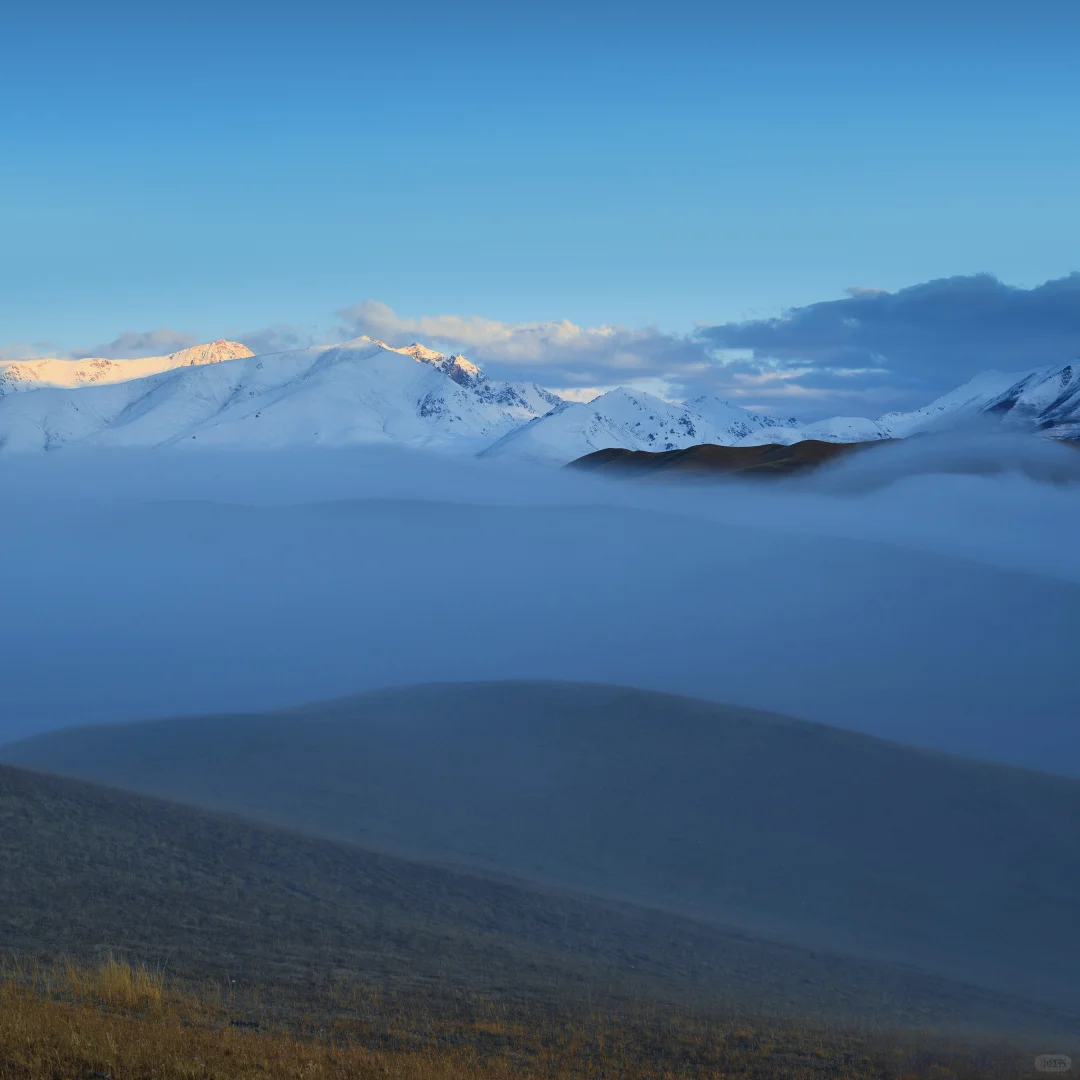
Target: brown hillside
(772, 459)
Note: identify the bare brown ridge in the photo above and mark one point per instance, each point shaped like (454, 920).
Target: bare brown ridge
(772, 459)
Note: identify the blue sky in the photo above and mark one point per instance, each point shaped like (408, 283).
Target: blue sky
(228, 169)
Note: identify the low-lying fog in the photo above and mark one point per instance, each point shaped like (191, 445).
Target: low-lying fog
(885, 594)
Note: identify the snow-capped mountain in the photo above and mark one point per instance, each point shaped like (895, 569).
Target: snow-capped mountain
(361, 391)
(835, 429)
(456, 366)
(1046, 400)
(737, 422)
(633, 420)
(358, 392)
(568, 432)
(366, 391)
(965, 403)
(962, 404)
(523, 400)
(666, 425)
(16, 375)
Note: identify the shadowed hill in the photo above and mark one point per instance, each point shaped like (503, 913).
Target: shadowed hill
(91, 871)
(1032, 457)
(815, 835)
(772, 459)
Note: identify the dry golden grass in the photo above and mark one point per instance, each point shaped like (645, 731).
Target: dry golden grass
(130, 1024)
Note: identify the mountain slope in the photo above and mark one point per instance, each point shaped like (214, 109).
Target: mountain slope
(958, 406)
(824, 837)
(358, 392)
(567, 432)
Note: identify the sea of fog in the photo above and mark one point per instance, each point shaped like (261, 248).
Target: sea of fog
(928, 592)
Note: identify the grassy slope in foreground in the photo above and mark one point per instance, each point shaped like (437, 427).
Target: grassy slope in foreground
(115, 1020)
(821, 837)
(295, 925)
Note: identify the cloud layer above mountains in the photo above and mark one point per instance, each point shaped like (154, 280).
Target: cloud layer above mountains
(926, 336)
(557, 353)
(868, 352)
(133, 343)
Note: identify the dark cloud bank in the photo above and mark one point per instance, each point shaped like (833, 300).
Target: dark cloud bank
(933, 335)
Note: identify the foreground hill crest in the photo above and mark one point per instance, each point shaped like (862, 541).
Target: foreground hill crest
(757, 821)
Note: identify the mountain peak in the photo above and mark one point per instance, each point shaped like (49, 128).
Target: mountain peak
(212, 353)
(417, 351)
(462, 371)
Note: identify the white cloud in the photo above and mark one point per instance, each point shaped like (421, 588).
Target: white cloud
(584, 394)
(25, 350)
(128, 345)
(282, 337)
(520, 343)
(556, 352)
(132, 344)
(865, 290)
(581, 362)
(135, 343)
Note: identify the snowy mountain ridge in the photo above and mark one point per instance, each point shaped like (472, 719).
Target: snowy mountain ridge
(365, 391)
(634, 420)
(21, 375)
(357, 392)
(523, 400)
(1046, 400)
